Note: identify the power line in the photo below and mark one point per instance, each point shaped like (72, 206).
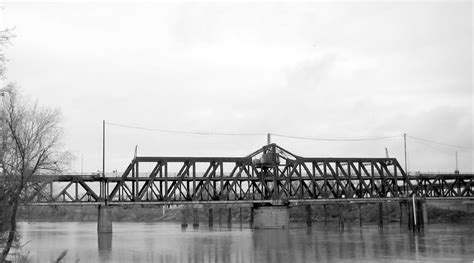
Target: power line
(335, 139)
(347, 139)
(440, 143)
(185, 132)
(435, 148)
(248, 134)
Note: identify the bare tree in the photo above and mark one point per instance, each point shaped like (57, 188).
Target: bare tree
(31, 137)
(5, 36)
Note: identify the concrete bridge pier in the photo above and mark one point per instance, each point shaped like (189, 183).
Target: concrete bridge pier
(104, 219)
(272, 216)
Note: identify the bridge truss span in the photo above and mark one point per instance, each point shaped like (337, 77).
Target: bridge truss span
(269, 174)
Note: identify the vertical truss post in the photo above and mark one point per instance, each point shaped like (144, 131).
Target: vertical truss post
(76, 191)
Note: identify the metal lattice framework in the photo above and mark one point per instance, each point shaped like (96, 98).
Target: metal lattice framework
(270, 174)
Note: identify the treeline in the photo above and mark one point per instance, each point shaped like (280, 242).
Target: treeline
(133, 213)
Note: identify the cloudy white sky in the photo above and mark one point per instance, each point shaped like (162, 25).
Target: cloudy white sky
(326, 70)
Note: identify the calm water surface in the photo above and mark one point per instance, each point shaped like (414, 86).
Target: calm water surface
(167, 242)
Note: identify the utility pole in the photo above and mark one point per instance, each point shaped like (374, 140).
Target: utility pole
(82, 164)
(457, 168)
(102, 188)
(405, 146)
(103, 148)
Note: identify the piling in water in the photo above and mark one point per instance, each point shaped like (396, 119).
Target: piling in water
(211, 217)
(184, 213)
(251, 218)
(325, 215)
(380, 219)
(308, 216)
(341, 218)
(410, 215)
(241, 216)
(195, 217)
(229, 217)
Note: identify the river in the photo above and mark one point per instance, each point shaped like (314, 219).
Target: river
(168, 242)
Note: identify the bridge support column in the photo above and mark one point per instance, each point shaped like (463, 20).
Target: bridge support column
(274, 216)
(195, 217)
(309, 221)
(104, 219)
(360, 215)
(211, 217)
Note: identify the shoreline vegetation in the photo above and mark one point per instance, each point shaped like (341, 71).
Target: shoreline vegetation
(150, 213)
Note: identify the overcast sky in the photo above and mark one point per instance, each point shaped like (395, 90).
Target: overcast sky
(326, 70)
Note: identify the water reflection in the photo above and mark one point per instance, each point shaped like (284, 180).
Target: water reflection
(166, 242)
(104, 241)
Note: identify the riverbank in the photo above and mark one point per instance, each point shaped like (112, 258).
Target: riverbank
(132, 213)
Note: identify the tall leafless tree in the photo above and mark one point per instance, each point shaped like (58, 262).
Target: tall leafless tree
(5, 36)
(31, 136)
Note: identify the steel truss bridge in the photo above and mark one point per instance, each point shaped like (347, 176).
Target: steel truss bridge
(269, 175)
